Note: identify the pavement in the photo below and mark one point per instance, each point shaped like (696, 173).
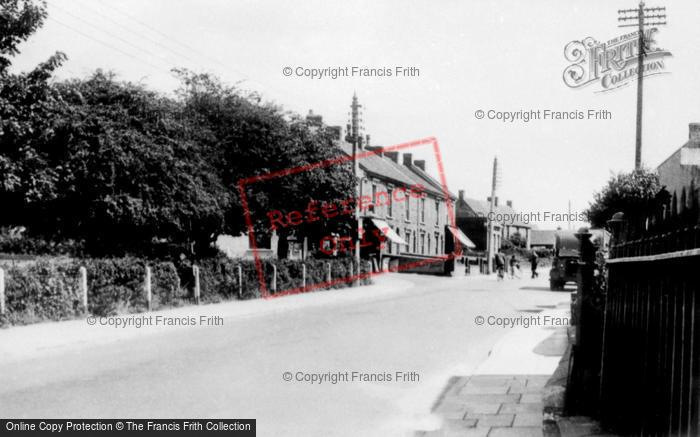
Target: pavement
(491, 406)
(504, 397)
(405, 337)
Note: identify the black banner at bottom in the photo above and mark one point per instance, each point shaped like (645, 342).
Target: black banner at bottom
(127, 427)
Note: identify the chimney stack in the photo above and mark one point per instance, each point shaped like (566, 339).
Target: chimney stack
(509, 203)
(495, 200)
(407, 159)
(461, 194)
(694, 132)
(336, 132)
(376, 149)
(394, 156)
(420, 163)
(313, 119)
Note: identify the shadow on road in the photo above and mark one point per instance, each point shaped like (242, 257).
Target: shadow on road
(533, 288)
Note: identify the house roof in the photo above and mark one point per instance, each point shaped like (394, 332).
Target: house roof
(691, 144)
(481, 208)
(542, 237)
(432, 181)
(385, 168)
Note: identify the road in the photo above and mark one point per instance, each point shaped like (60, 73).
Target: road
(422, 325)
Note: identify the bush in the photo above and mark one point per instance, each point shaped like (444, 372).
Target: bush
(117, 285)
(41, 291)
(12, 244)
(49, 289)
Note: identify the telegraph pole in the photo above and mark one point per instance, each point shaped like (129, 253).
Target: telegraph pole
(356, 140)
(490, 250)
(642, 16)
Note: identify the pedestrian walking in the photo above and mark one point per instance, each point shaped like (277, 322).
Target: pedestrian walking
(500, 261)
(513, 262)
(533, 264)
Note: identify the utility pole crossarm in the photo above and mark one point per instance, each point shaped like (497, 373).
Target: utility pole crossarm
(641, 17)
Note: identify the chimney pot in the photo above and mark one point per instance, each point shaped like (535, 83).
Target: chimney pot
(509, 203)
(495, 201)
(694, 132)
(420, 163)
(407, 159)
(461, 194)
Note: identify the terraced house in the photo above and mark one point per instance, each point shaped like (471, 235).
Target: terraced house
(409, 208)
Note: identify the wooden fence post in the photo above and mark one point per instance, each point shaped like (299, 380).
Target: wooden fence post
(2, 291)
(147, 286)
(195, 273)
(84, 287)
(274, 278)
(328, 274)
(303, 276)
(240, 282)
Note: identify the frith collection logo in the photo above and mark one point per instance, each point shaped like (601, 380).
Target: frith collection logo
(612, 64)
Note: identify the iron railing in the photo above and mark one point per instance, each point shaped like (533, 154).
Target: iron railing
(650, 353)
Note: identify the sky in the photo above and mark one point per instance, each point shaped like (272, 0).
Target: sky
(470, 55)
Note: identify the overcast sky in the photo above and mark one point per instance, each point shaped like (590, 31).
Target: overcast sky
(488, 55)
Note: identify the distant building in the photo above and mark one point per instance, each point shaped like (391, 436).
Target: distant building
(542, 239)
(681, 171)
(472, 218)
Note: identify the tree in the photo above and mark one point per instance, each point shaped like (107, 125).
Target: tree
(243, 137)
(122, 168)
(631, 193)
(128, 174)
(19, 19)
(28, 111)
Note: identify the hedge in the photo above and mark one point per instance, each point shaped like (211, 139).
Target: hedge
(116, 285)
(49, 289)
(42, 291)
(219, 277)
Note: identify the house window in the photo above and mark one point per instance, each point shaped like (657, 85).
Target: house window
(437, 212)
(372, 207)
(438, 243)
(422, 210)
(408, 207)
(408, 240)
(389, 205)
(398, 246)
(429, 244)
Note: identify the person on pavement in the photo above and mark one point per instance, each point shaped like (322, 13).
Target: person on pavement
(500, 261)
(513, 262)
(533, 264)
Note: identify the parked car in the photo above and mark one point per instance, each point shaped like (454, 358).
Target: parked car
(565, 262)
(567, 256)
